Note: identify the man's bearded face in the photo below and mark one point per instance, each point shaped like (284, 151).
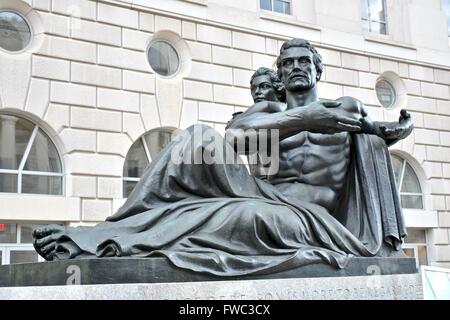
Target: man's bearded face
(298, 71)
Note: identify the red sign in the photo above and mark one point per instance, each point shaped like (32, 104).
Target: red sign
(3, 227)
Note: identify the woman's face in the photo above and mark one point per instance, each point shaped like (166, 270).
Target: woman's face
(262, 89)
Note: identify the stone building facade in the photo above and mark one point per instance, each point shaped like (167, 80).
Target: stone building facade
(85, 80)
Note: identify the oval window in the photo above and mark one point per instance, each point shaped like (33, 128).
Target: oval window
(385, 93)
(15, 32)
(163, 58)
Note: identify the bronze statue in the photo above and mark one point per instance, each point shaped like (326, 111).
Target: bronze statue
(265, 85)
(333, 196)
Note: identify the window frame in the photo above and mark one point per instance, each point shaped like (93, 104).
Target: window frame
(147, 52)
(415, 247)
(6, 248)
(20, 171)
(394, 91)
(400, 182)
(30, 26)
(273, 7)
(447, 15)
(146, 153)
(370, 21)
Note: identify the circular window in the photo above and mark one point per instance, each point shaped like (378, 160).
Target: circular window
(163, 58)
(15, 32)
(386, 93)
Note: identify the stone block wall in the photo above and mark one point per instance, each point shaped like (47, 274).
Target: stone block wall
(90, 83)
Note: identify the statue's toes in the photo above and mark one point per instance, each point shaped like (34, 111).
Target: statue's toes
(38, 233)
(38, 249)
(49, 256)
(42, 232)
(46, 230)
(47, 249)
(44, 241)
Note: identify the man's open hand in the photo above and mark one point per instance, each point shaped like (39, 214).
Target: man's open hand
(400, 130)
(326, 117)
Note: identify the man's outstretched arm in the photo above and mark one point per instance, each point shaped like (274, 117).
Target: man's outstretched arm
(317, 117)
(391, 132)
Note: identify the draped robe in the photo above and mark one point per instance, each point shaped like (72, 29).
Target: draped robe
(218, 219)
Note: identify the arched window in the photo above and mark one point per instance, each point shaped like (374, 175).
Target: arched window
(408, 184)
(29, 161)
(141, 154)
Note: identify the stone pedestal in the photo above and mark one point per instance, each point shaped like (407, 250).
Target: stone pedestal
(391, 287)
(161, 270)
(157, 278)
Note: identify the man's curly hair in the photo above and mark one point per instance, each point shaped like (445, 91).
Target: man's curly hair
(276, 82)
(317, 58)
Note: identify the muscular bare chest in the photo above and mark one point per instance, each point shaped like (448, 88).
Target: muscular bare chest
(315, 159)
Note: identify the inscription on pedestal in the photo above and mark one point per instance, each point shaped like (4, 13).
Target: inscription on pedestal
(401, 287)
(391, 287)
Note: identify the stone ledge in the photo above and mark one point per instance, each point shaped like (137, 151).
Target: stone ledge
(160, 270)
(391, 287)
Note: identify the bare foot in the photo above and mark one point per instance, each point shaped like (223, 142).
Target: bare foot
(45, 239)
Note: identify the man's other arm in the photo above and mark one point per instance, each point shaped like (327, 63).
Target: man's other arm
(391, 132)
